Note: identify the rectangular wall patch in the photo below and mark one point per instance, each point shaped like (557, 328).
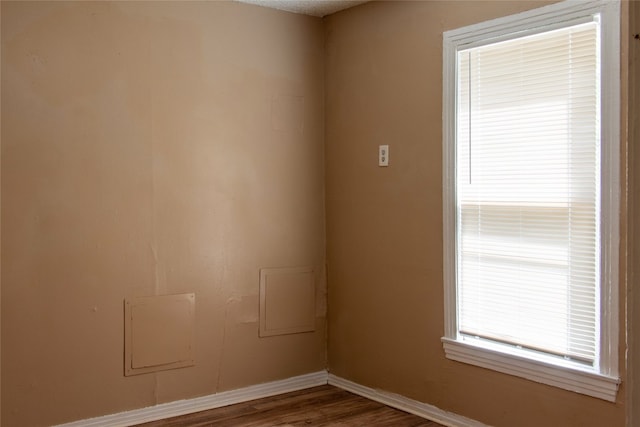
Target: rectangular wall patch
(287, 301)
(159, 333)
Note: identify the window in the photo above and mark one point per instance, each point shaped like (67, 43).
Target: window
(531, 194)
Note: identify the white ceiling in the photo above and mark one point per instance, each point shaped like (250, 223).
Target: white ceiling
(307, 7)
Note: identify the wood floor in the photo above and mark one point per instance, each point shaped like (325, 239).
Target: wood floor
(318, 406)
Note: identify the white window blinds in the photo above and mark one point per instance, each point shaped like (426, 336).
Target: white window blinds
(528, 192)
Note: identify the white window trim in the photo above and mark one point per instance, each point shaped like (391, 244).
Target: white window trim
(601, 382)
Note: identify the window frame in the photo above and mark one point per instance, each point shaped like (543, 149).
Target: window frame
(602, 379)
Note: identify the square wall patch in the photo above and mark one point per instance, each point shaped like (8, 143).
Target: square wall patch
(287, 301)
(159, 333)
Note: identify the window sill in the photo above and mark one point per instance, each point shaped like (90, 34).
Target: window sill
(567, 376)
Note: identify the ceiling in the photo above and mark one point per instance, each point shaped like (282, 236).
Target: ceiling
(307, 7)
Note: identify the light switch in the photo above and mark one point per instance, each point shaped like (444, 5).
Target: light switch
(383, 155)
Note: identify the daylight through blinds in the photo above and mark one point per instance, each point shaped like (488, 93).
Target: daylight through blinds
(528, 180)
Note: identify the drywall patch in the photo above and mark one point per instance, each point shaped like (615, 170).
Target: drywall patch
(287, 301)
(159, 333)
(287, 113)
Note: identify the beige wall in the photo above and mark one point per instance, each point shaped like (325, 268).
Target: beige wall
(147, 150)
(384, 225)
(634, 192)
(0, 230)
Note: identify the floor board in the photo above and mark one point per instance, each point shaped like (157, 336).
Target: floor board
(314, 407)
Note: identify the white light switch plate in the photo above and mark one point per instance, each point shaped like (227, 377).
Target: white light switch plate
(383, 155)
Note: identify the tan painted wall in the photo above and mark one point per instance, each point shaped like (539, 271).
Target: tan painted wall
(141, 156)
(634, 192)
(384, 225)
(0, 230)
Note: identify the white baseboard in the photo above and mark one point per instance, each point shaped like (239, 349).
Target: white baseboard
(189, 406)
(397, 401)
(182, 407)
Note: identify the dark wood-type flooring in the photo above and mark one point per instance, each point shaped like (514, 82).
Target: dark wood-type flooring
(318, 406)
